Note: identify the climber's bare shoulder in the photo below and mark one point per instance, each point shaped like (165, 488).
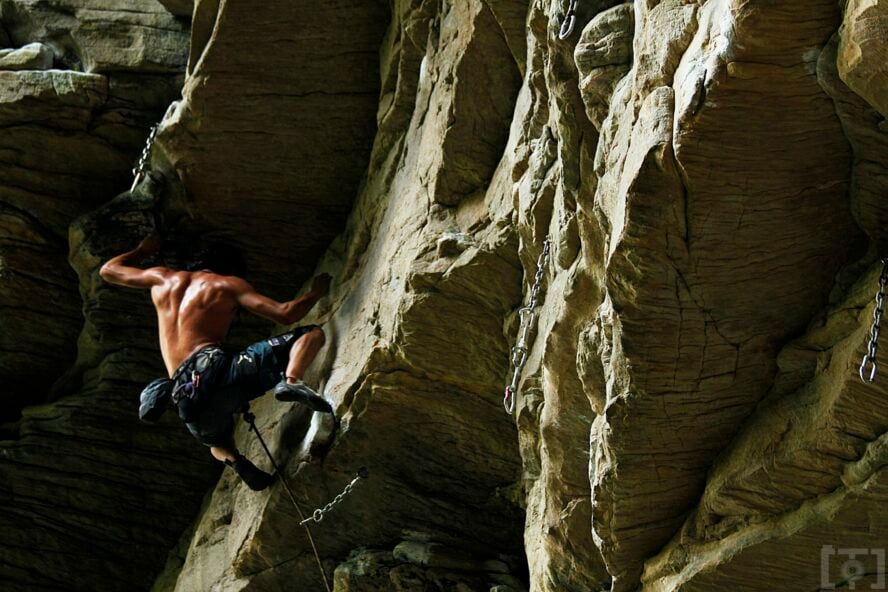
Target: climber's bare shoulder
(119, 274)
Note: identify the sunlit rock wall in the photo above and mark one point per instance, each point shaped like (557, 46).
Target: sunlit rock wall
(712, 178)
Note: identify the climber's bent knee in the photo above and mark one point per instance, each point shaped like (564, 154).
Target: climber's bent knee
(283, 343)
(317, 336)
(224, 453)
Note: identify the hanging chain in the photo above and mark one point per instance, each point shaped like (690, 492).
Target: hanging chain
(528, 317)
(869, 360)
(144, 158)
(319, 514)
(567, 25)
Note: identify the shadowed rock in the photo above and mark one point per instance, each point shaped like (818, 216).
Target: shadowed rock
(275, 127)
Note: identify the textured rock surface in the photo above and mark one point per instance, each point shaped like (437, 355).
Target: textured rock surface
(706, 334)
(712, 177)
(33, 56)
(101, 36)
(398, 322)
(69, 138)
(274, 166)
(90, 498)
(604, 56)
(863, 51)
(179, 7)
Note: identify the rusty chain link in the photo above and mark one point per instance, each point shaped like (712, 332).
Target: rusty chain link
(872, 349)
(319, 514)
(527, 315)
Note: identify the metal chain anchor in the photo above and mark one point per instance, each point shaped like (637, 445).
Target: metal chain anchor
(567, 25)
(319, 514)
(142, 164)
(869, 359)
(528, 317)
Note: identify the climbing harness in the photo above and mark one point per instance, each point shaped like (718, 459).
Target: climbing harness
(186, 394)
(318, 514)
(869, 359)
(528, 318)
(567, 25)
(144, 158)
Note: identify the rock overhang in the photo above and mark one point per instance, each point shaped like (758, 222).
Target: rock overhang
(273, 133)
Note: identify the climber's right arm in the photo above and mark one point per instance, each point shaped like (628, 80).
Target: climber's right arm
(116, 270)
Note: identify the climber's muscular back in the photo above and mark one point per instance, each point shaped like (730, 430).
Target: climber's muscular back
(194, 310)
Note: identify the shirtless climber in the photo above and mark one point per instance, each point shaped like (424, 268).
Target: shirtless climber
(208, 384)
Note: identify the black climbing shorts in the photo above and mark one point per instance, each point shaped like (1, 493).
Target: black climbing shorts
(232, 379)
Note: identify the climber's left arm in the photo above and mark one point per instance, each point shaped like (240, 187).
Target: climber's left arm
(283, 313)
(117, 271)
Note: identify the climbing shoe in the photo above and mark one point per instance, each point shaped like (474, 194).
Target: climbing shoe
(255, 478)
(301, 393)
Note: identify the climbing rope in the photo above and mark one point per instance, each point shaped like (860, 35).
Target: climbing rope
(251, 419)
(528, 318)
(567, 25)
(869, 359)
(318, 514)
(144, 158)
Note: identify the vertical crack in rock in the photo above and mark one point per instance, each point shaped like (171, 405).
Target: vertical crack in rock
(554, 188)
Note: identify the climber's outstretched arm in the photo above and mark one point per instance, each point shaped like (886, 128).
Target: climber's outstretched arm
(116, 271)
(282, 313)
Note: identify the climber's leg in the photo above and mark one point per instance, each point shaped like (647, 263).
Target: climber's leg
(255, 478)
(224, 453)
(261, 365)
(303, 353)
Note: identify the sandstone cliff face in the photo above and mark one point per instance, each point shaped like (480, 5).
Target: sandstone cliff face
(711, 175)
(90, 500)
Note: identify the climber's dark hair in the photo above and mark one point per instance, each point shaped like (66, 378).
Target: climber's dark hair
(219, 258)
